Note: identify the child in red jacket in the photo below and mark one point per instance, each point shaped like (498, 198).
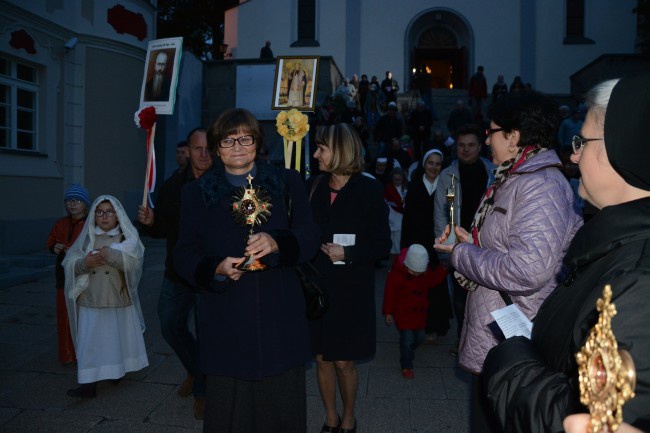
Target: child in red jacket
(406, 300)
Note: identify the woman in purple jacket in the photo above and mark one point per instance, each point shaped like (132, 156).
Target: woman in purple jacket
(520, 232)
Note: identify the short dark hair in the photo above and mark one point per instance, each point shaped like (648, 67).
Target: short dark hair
(192, 132)
(533, 114)
(469, 129)
(181, 144)
(231, 122)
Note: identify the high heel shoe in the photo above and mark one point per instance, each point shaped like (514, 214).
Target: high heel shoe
(329, 429)
(349, 430)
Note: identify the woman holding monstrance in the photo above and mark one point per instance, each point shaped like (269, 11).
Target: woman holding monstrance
(252, 325)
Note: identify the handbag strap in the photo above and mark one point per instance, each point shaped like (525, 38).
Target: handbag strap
(314, 184)
(506, 298)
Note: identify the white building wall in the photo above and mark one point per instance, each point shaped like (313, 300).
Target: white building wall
(611, 25)
(34, 182)
(496, 28)
(88, 17)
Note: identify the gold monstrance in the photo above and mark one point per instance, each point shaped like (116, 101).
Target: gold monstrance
(250, 207)
(607, 374)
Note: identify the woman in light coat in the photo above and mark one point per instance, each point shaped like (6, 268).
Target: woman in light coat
(520, 232)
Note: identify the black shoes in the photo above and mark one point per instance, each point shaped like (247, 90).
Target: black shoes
(349, 430)
(329, 429)
(86, 390)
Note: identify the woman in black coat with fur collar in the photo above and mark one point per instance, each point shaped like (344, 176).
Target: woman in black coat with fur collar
(252, 325)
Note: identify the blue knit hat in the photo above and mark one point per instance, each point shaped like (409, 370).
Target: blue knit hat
(78, 192)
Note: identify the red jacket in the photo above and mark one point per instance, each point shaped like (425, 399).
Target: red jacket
(406, 296)
(65, 231)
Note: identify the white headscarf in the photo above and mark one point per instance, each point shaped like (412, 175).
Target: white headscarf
(132, 253)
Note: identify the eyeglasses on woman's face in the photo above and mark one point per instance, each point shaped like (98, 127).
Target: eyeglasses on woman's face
(490, 131)
(578, 143)
(102, 213)
(244, 140)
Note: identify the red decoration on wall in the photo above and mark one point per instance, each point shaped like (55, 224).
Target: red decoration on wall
(125, 21)
(21, 39)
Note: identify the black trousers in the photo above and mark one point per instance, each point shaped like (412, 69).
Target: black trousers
(276, 404)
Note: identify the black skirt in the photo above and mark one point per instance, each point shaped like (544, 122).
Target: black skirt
(276, 404)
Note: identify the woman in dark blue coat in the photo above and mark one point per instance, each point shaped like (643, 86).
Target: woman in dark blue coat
(252, 325)
(344, 202)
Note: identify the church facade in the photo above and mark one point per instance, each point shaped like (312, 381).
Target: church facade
(543, 42)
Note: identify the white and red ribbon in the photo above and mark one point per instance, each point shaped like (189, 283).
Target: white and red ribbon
(145, 118)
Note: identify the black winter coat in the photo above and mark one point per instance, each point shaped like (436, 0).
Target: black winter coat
(417, 224)
(348, 329)
(254, 327)
(533, 384)
(167, 215)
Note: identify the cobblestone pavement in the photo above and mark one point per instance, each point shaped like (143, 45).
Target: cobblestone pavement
(33, 383)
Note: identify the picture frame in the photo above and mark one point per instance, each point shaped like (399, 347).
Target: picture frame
(295, 82)
(160, 78)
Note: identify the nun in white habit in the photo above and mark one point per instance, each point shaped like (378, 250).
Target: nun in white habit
(102, 271)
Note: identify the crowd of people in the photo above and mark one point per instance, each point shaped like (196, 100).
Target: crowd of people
(519, 241)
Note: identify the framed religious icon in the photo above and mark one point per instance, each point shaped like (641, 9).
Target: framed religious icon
(161, 75)
(295, 83)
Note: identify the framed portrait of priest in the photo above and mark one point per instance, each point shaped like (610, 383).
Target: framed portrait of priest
(161, 74)
(295, 83)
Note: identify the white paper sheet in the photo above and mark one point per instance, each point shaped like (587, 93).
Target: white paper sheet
(344, 240)
(512, 321)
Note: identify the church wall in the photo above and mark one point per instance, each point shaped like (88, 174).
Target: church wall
(517, 37)
(611, 25)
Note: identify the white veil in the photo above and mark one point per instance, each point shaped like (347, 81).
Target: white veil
(132, 253)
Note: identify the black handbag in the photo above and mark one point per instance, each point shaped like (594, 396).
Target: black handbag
(310, 277)
(312, 282)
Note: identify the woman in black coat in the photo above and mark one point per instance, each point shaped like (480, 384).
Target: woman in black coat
(417, 228)
(252, 325)
(344, 202)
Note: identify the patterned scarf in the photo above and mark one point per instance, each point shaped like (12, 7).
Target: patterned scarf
(502, 174)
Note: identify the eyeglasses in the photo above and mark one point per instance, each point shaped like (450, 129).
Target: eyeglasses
(73, 202)
(244, 140)
(490, 131)
(578, 142)
(101, 213)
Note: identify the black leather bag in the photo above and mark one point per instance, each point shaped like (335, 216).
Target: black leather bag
(311, 279)
(312, 282)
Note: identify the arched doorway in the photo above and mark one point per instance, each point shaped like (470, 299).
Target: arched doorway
(439, 50)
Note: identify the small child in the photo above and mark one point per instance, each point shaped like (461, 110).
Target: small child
(60, 239)
(102, 272)
(406, 300)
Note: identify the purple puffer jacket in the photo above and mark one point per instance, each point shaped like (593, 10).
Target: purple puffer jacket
(523, 241)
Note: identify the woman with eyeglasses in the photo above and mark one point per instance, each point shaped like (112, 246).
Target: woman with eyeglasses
(102, 272)
(252, 325)
(520, 232)
(532, 384)
(59, 241)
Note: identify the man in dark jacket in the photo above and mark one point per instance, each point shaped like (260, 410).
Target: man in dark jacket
(177, 299)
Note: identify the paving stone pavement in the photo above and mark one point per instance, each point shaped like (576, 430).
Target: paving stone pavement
(33, 383)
